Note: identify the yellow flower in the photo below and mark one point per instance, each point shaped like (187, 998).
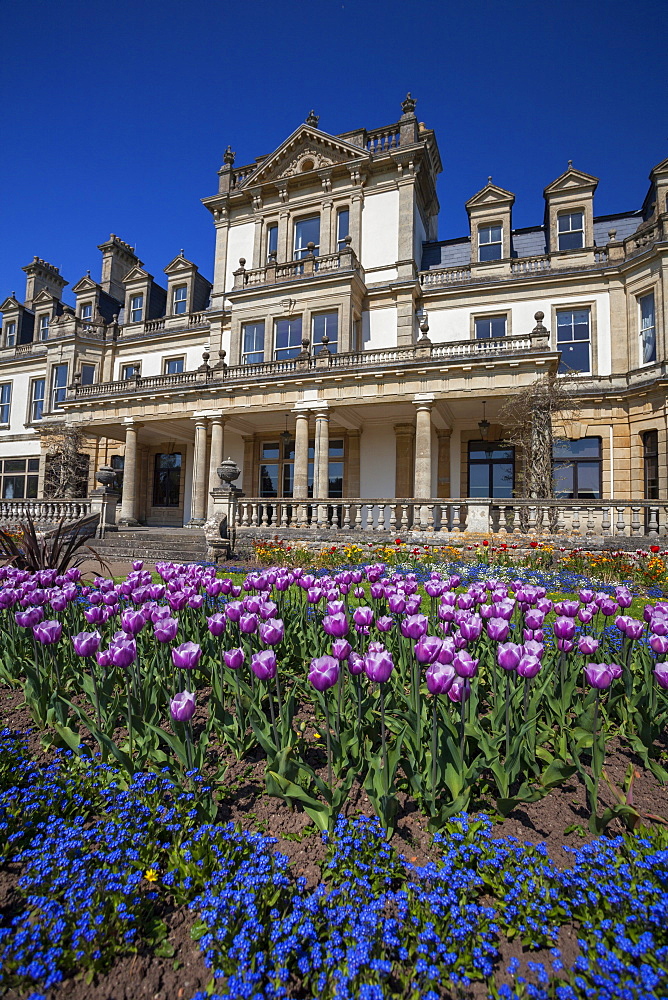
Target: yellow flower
(151, 875)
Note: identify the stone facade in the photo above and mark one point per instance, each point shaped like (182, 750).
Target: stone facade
(341, 350)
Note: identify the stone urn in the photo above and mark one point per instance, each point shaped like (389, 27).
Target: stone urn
(106, 477)
(228, 471)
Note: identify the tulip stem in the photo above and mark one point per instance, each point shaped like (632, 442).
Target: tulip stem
(329, 740)
(278, 696)
(462, 734)
(594, 756)
(189, 744)
(129, 704)
(434, 740)
(273, 716)
(507, 714)
(383, 739)
(358, 685)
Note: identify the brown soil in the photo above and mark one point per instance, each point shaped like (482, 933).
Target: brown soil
(245, 803)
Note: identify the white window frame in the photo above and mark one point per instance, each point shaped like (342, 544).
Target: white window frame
(86, 307)
(5, 403)
(572, 310)
(134, 309)
(167, 361)
(317, 344)
(299, 252)
(87, 364)
(571, 230)
(272, 227)
(487, 228)
(341, 237)
(55, 389)
(245, 355)
(32, 418)
(650, 328)
(44, 323)
(124, 367)
(10, 334)
(178, 300)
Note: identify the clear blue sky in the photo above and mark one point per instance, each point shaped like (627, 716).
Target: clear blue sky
(115, 114)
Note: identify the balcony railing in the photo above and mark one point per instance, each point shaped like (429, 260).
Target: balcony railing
(421, 352)
(309, 266)
(43, 512)
(442, 518)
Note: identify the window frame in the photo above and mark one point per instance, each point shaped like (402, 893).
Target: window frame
(569, 213)
(574, 308)
(489, 317)
(280, 354)
(317, 344)
(167, 361)
(6, 403)
(33, 400)
(180, 301)
(155, 492)
(299, 253)
(488, 447)
(341, 238)
(29, 475)
(245, 355)
(272, 227)
(43, 325)
(83, 307)
(56, 389)
(134, 309)
(488, 227)
(92, 368)
(123, 377)
(650, 461)
(10, 332)
(649, 294)
(575, 463)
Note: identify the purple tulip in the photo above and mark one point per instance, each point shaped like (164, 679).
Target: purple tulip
(534, 618)
(624, 597)
(182, 706)
(95, 616)
(336, 625)
(659, 644)
(86, 643)
(498, 629)
(234, 658)
(132, 622)
(528, 666)
(464, 664)
(378, 666)
(661, 674)
(123, 652)
(427, 649)
(272, 631)
(634, 629)
(314, 595)
(384, 623)
(103, 657)
(186, 656)
(341, 649)
(48, 632)
(608, 607)
(566, 609)
(165, 629)
(599, 675)
(263, 664)
(363, 616)
(564, 628)
(565, 645)
(440, 677)
(26, 619)
(471, 629)
(659, 625)
(234, 610)
(588, 645)
(508, 655)
(615, 670)
(355, 664)
(248, 624)
(216, 623)
(460, 690)
(324, 672)
(532, 648)
(414, 627)
(447, 651)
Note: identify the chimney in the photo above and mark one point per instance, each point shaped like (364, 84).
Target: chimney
(117, 259)
(40, 274)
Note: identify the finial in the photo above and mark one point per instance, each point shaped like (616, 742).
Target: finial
(313, 119)
(408, 104)
(489, 179)
(181, 252)
(88, 274)
(228, 156)
(570, 164)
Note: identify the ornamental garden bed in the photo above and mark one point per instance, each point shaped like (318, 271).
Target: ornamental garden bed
(296, 784)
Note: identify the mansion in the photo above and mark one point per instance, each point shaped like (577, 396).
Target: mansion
(341, 349)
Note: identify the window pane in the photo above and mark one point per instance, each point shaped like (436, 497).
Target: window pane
(270, 450)
(336, 479)
(490, 326)
(15, 465)
(253, 343)
(342, 227)
(272, 239)
(288, 479)
(588, 480)
(174, 366)
(13, 487)
(167, 480)
(563, 481)
(326, 324)
(336, 449)
(589, 447)
(571, 241)
(490, 251)
(502, 480)
(87, 374)
(479, 480)
(31, 487)
(288, 338)
(307, 231)
(575, 357)
(33, 465)
(269, 480)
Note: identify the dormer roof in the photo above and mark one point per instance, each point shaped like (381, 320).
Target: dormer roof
(10, 304)
(306, 145)
(44, 298)
(572, 180)
(86, 284)
(490, 195)
(180, 263)
(137, 273)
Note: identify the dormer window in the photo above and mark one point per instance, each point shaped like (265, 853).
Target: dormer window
(10, 334)
(272, 240)
(342, 227)
(180, 300)
(570, 229)
(307, 231)
(86, 311)
(44, 327)
(490, 243)
(136, 308)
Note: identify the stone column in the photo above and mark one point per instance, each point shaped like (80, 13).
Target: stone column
(129, 504)
(321, 458)
(422, 481)
(200, 475)
(215, 459)
(353, 464)
(443, 484)
(300, 485)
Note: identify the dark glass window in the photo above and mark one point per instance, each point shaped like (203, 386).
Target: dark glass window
(307, 231)
(288, 338)
(174, 366)
(490, 327)
(570, 230)
(87, 374)
(491, 469)
(326, 324)
(252, 352)
(5, 402)
(342, 227)
(647, 329)
(18, 478)
(577, 469)
(272, 239)
(167, 480)
(574, 340)
(37, 399)
(58, 386)
(490, 243)
(118, 465)
(650, 447)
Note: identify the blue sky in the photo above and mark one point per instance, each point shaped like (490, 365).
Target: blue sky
(115, 115)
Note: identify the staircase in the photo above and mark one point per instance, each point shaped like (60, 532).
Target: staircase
(153, 545)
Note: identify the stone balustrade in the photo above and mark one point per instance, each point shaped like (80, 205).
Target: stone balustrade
(623, 519)
(295, 270)
(43, 512)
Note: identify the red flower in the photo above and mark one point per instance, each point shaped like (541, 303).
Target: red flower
(534, 545)
(397, 541)
(485, 542)
(654, 548)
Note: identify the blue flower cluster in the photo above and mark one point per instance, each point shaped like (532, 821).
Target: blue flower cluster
(100, 855)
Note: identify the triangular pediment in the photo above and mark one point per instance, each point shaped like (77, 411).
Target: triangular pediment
(137, 273)
(572, 180)
(306, 149)
(85, 285)
(10, 304)
(660, 170)
(44, 298)
(179, 264)
(490, 195)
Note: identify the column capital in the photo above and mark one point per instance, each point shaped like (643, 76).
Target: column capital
(321, 412)
(443, 432)
(131, 422)
(424, 400)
